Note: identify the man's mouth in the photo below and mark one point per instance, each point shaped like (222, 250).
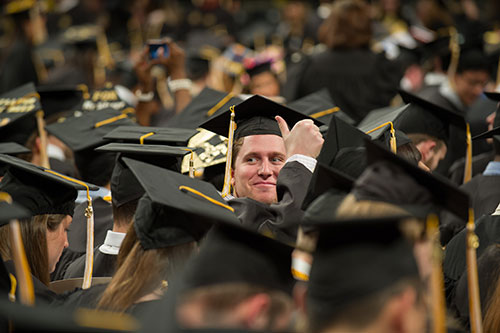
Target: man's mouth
(264, 184)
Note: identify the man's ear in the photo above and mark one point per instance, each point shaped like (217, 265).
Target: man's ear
(232, 177)
(254, 311)
(398, 309)
(37, 145)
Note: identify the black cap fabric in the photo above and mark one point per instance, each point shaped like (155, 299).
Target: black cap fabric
(151, 135)
(346, 251)
(207, 103)
(255, 116)
(17, 108)
(11, 211)
(124, 186)
(488, 134)
(391, 179)
(59, 99)
(326, 178)
(256, 69)
(233, 254)
(320, 105)
(12, 148)
(39, 190)
(428, 118)
(171, 213)
(86, 130)
(340, 135)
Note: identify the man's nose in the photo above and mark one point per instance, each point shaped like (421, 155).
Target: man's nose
(265, 169)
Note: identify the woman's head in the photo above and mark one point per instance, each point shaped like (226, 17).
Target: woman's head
(349, 25)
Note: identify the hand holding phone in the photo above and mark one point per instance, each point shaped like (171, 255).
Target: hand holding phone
(155, 47)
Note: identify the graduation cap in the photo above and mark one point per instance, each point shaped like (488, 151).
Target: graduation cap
(59, 99)
(105, 98)
(40, 190)
(86, 130)
(326, 190)
(389, 178)
(12, 148)
(191, 206)
(320, 105)
(151, 135)
(259, 68)
(233, 254)
(356, 247)
(16, 110)
(208, 150)
(124, 186)
(255, 116)
(428, 118)
(204, 105)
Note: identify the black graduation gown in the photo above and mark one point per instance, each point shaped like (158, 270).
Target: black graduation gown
(281, 218)
(358, 80)
(103, 221)
(80, 298)
(67, 257)
(42, 293)
(454, 263)
(484, 193)
(104, 266)
(479, 163)
(18, 68)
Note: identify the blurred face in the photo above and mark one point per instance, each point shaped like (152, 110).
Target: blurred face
(257, 166)
(431, 155)
(265, 84)
(57, 241)
(469, 85)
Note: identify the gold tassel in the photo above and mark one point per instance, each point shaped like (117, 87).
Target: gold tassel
(472, 243)
(468, 156)
(226, 190)
(191, 163)
(393, 143)
(437, 279)
(43, 139)
(455, 55)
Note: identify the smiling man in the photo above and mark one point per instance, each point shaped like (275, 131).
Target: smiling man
(271, 164)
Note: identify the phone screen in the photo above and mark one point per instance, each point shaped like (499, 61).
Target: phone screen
(155, 46)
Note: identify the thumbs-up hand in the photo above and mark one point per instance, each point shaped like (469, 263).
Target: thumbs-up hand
(304, 138)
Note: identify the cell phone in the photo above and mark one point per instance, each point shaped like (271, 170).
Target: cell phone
(154, 46)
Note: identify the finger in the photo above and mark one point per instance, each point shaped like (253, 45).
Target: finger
(285, 131)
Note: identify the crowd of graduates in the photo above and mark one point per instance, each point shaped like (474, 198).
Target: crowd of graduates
(250, 166)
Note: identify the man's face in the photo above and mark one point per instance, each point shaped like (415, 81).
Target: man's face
(470, 84)
(257, 166)
(434, 156)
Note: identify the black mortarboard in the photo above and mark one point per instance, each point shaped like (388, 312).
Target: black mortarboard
(233, 254)
(38, 189)
(86, 130)
(346, 251)
(260, 68)
(104, 99)
(326, 179)
(191, 205)
(43, 318)
(495, 96)
(59, 99)
(373, 124)
(340, 136)
(151, 135)
(389, 178)
(12, 148)
(17, 108)
(320, 105)
(207, 103)
(428, 118)
(255, 116)
(124, 186)
(488, 134)
(11, 211)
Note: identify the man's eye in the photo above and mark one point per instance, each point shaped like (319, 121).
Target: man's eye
(277, 160)
(251, 160)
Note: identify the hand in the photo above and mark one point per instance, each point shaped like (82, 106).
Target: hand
(175, 61)
(142, 69)
(304, 138)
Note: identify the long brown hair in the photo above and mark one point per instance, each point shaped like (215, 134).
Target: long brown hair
(34, 234)
(141, 272)
(491, 321)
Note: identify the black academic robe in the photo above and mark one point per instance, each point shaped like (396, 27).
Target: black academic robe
(67, 257)
(454, 263)
(18, 67)
(358, 80)
(83, 298)
(479, 163)
(484, 193)
(104, 266)
(456, 143)
(103, 221)
(43, 295)
(281, 218)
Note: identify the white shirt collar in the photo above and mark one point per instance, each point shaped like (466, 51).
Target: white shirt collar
(112, 243)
